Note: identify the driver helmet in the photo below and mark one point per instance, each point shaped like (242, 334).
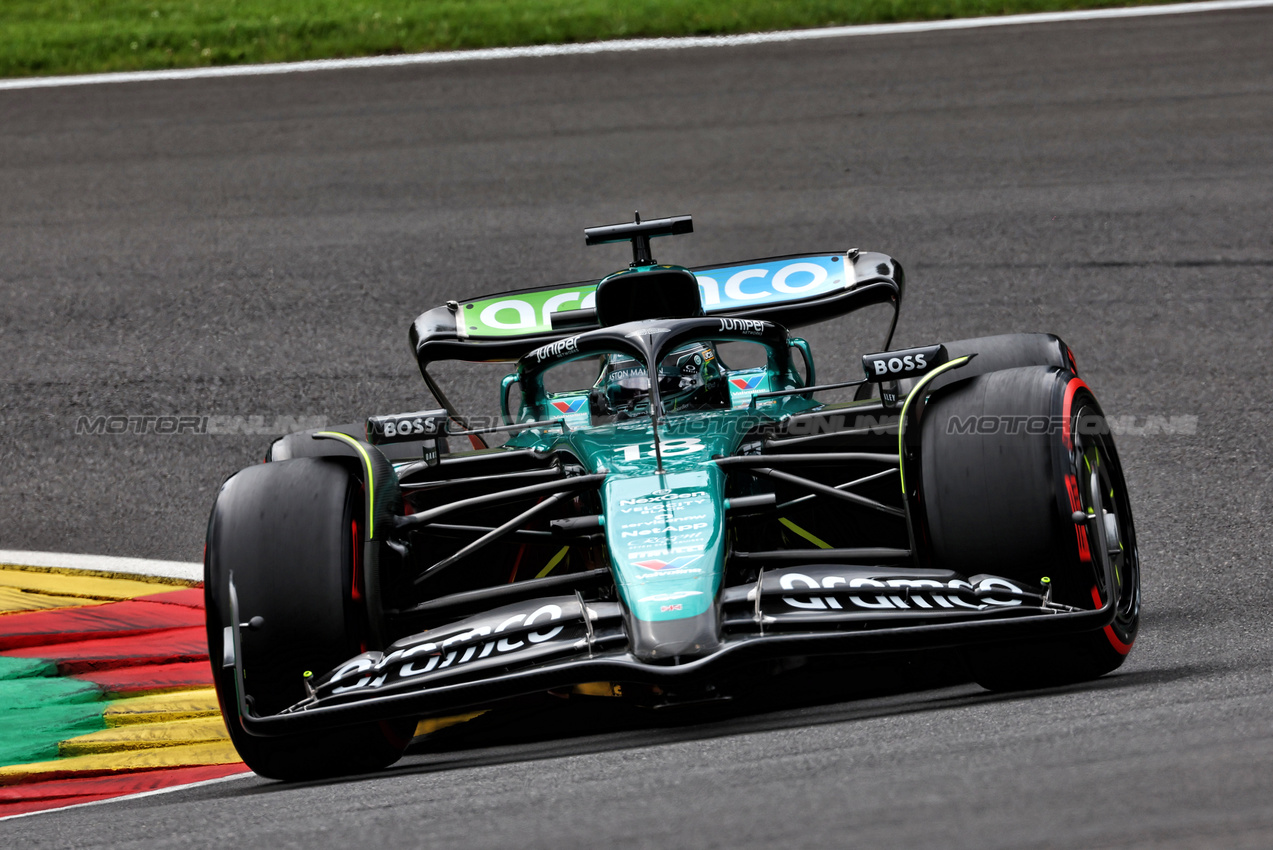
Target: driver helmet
(690, 378)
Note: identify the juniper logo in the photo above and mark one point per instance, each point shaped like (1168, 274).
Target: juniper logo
(747, 326)
(556, 349)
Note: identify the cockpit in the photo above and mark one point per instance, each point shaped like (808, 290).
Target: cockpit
(690, 378)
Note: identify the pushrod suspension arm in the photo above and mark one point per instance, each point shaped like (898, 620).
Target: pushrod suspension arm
(824, 490)
(491, 536)
(568, 485)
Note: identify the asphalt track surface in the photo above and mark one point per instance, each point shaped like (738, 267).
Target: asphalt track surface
(258, 247)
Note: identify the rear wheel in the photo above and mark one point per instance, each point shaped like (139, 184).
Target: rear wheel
(288, 533)
(1008, 459)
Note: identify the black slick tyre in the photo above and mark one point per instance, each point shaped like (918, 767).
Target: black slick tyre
(288, 532)
(1008, 458)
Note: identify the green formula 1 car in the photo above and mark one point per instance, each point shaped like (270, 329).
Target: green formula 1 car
(686, 515)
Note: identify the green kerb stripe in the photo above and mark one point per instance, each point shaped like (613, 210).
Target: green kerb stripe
(39, 709)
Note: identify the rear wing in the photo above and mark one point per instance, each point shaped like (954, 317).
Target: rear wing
(793, 291)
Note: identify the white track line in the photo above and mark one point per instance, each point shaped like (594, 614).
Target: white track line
(106, 564)
(136, 796)
(625, 45)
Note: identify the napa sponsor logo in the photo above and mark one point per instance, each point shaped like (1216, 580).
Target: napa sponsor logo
(721, 290)
(685, 529)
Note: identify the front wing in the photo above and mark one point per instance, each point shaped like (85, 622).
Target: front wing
(558, 642)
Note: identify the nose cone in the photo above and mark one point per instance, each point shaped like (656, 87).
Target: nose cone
(665, 640)
(666, 539)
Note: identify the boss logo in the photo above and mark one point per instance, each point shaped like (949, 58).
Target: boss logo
(416, 427)
(424, 425)
(900, 364)
(892, 365)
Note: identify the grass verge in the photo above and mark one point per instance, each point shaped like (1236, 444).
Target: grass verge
(41, 37)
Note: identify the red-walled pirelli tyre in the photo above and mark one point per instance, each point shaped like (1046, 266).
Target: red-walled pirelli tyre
(288, 532)
(1007, 459)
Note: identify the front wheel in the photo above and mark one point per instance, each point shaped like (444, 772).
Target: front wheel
(1008, 460)
(288, 533)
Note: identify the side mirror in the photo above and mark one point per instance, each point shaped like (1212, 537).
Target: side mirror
(806, 354)
(505, 385)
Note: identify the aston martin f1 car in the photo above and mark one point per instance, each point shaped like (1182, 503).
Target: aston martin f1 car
(672, 508)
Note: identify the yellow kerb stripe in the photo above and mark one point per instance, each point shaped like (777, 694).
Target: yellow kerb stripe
(24, 589)
(152, 708)
(187, 755)
(141, 736)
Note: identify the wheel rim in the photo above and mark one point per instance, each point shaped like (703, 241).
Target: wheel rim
(1112, 536)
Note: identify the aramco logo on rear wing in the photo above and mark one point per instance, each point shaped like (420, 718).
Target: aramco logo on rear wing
(727, 288)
